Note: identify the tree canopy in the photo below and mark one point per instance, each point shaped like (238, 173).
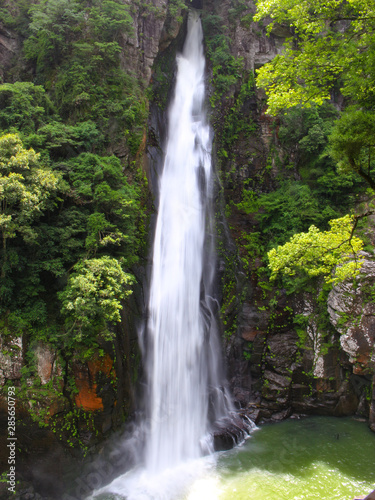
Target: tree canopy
(70, 209)
(332, 254)
(25, 188)
(93, 297)
(331, 47)
(330, 52)
(352, 143)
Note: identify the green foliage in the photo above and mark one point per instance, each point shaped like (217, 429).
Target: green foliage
(238, 125)
(71, 223)
(23, 106)
(27, 109)
(226, 68)
(112, 205)
(92, 210)
(61, 140)
(249, 203)
(303, 132)
(25, 190)
(76, 50)
(301, 323)
(238, 7)
(310, 139)
(68, 429)
(317, 197)
(15, 14)
(105, 112)
(332, 49)
(320, 53)
(175, 7)
(108, 19)
(289, 209)
(93, 297)
(96, 214)
(333, 253)
(53, 22)
(91, 85)
(352, 146)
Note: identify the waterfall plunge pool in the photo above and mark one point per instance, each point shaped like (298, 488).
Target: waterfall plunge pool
(314, 458)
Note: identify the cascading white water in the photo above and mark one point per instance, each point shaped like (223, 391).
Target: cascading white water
(179, 363)
(186, 389)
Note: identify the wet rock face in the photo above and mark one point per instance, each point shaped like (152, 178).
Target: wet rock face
(154, 30)
(47, 364)
(11, 359)
(249, 40)
(10, 46)
(287, 373)
(231, 431)
(87, 376)
(79, 411)
(293, 384)
(352, 312)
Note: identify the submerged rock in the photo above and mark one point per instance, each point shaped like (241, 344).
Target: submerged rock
(228, 433)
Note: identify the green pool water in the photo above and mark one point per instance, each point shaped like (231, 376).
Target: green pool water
(313, 458)
(316, 458)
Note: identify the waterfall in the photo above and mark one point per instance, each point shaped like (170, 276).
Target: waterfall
(182, 368)
(186, 389)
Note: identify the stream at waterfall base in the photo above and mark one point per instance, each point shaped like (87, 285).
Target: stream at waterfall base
(314, 458)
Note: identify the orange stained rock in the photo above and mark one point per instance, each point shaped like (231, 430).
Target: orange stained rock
(249, 335)
(87, 397)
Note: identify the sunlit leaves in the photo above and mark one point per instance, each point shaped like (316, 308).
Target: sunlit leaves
(93, 296)
(310, 17)
(25, 188)
(332, 254)
(332, 40)
(24, 184)
(101, 232)
(301, 77)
